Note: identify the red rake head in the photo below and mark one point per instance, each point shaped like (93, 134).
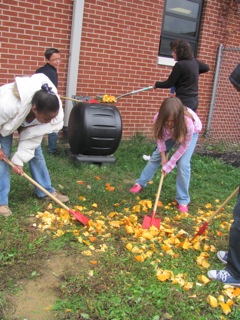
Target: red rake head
(149, 221)
(79, 216)
(201, 230)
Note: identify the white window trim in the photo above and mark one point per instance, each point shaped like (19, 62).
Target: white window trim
(166, 61)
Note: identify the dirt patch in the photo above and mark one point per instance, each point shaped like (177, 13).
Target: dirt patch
(34, 300)
(232, 158)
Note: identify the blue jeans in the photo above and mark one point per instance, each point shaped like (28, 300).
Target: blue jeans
(38, 169)
(233, 260)
(52, 141)
(183, 170)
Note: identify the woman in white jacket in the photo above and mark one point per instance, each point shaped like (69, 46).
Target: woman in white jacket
(31, 106)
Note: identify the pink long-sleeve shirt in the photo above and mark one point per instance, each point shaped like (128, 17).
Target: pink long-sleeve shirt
(193, 126)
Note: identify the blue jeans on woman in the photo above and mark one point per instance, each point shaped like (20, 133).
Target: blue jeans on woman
(38, 169)
(183, 169)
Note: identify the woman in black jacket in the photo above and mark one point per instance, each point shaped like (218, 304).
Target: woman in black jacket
(185, 74)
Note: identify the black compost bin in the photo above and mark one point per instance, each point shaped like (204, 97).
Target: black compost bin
(94, 129)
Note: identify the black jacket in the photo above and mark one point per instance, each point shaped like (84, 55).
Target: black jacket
(50, 72)
(184, 77)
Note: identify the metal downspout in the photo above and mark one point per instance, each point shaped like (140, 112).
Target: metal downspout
(74, 57)
(214, 89)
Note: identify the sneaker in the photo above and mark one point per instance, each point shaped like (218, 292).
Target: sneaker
(223, 276)
(182, 207)
(146, 158)
(59, 196)
(136, 188)
(5, 211)
(222, 256)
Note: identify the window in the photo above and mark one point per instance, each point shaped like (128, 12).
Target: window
(181, 19)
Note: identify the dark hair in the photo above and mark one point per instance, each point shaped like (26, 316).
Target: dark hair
(182, 48)
(49, 52)
(45, 102)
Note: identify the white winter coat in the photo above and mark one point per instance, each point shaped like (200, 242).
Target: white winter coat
(13, 112)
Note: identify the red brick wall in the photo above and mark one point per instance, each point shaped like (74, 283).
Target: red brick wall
(27, 29)
(118, 49)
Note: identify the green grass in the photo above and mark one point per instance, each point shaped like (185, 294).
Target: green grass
(120, 287)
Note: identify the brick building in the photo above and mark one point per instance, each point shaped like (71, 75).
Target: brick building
(111, 47)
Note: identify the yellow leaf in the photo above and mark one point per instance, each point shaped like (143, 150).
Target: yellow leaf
(147, 235)
(87, 253)
(81, 198)
(129, 229)
(86, 242)
(136, 250)
(76, 232)
(166, 247)
(93, 262)
(140, 258)
(236, 292)
(164, 275)
(203, 279)
(221, 298)
(115, 224)
(129, 246)
(225, 308)
(230, 302)
(136, 208)
(49, 207)
(94, 205)
(188, 286)
(112, 214)
(212, 301)
(149, 253)
(133, 218)
(208, 206)
(205, 264)
(98, 178)
(186, 244)
(59, 233)
(196, 245)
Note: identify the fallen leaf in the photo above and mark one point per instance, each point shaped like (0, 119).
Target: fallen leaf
(140, 258)
(203, 279)
(225, 308)
(212, 301)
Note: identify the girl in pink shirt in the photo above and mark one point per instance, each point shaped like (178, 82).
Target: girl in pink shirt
(173, 124)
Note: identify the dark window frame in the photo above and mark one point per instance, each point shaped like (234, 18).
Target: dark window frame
(167, 36)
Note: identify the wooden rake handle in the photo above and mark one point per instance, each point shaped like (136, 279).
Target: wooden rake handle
(39, 186)
(222, 205)
(158, 193)
(67, 98)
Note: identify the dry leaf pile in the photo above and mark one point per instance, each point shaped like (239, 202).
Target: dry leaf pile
(144, 244)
